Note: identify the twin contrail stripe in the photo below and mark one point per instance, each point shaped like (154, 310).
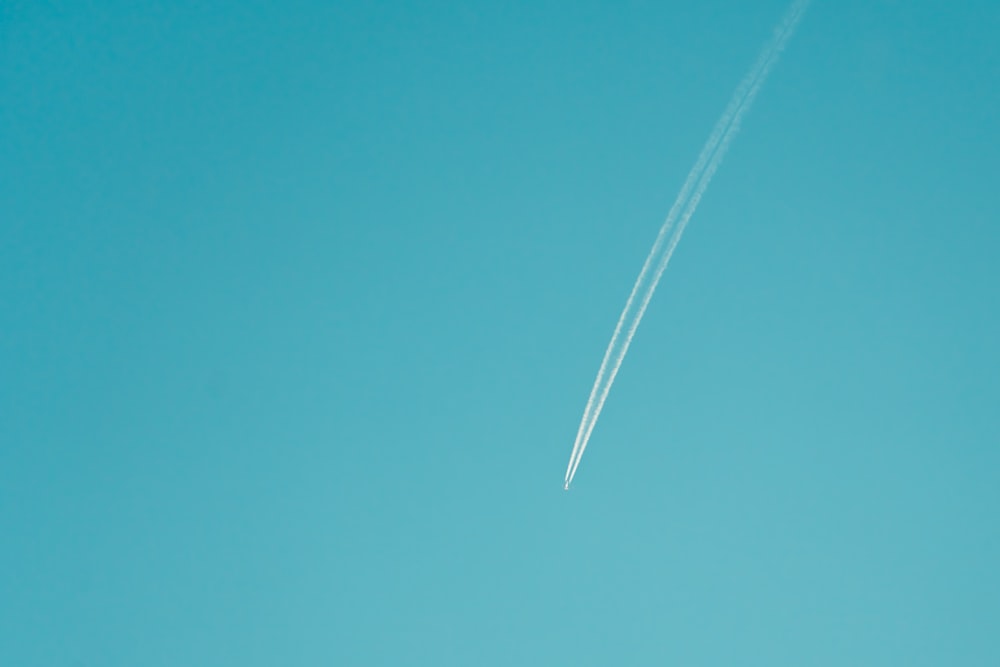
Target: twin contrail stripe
(680, 213)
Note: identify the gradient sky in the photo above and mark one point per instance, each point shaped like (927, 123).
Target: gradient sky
(300, 304)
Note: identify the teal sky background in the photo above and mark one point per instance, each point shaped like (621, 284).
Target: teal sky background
(300, 304)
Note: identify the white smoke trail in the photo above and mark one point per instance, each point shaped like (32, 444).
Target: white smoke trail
(706, 153)
(704, 168)
(692, 178)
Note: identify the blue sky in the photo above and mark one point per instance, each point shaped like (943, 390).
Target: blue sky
(301, 303)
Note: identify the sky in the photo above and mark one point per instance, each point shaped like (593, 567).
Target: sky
(300, 304)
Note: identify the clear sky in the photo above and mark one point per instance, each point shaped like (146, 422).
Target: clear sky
(300, 303)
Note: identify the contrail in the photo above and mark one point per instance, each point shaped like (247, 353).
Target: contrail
(706, 153)
(683, 208)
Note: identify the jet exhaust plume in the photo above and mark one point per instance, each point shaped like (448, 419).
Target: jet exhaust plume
(680, 213)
